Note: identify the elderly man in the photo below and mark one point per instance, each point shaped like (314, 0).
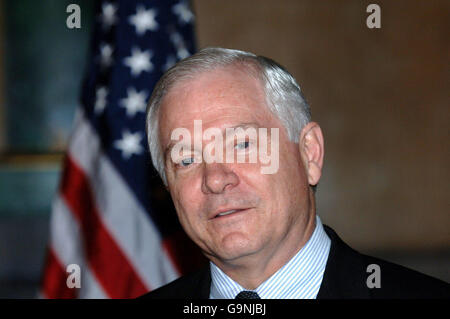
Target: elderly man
(212, 121)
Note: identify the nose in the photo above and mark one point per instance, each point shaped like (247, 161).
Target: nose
(218, 178)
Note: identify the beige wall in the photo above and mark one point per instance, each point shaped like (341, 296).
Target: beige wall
(381, 97)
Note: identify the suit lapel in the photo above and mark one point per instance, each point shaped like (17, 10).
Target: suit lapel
(345, 274)
(201, 291)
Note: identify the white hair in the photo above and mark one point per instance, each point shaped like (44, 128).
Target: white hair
(283, 94)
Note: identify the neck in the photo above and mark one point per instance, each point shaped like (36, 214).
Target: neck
(251, 271)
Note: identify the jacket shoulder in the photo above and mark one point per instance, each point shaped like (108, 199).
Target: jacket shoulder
(401, 282)
(192, 286)
(348, 275)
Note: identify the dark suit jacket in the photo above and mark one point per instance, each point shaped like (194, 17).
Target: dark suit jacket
(345, 277)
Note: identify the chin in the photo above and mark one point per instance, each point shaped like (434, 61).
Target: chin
(235, 246)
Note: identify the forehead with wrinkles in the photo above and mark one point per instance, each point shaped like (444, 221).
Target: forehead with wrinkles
(221, 97)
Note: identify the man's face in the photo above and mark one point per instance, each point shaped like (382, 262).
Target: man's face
(272, 210)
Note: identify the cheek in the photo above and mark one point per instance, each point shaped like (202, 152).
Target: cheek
(262, 186)
(186, 200)
(291, 165)
(286, 188)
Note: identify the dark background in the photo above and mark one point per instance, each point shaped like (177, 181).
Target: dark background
(380, 96)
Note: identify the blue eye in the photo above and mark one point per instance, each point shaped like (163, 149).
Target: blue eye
(242, 145)
(187, 161)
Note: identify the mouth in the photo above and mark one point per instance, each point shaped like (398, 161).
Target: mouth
(228, 212)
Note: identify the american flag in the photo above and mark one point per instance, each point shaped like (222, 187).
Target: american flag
(107, 217)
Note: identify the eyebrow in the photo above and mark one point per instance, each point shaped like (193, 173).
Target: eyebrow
(241, 125)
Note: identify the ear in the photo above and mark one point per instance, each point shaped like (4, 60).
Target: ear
(312, 150)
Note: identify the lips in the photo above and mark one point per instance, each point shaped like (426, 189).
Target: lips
(227, 212)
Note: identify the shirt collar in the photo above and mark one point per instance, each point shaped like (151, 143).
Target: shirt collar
(299, 278)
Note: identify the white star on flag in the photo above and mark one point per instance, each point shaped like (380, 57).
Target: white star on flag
(169, 63)
(182, 53)
(134, 102)
(108, 15)
(178, 42)
(100, 99)
(184, 13)
(144, 20)
(139, 61)
(129, 144)
(106, 51)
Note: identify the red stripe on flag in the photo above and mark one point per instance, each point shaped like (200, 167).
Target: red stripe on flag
(111, 267)
(54, 279)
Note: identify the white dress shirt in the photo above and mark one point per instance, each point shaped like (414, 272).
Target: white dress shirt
(299, 278)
